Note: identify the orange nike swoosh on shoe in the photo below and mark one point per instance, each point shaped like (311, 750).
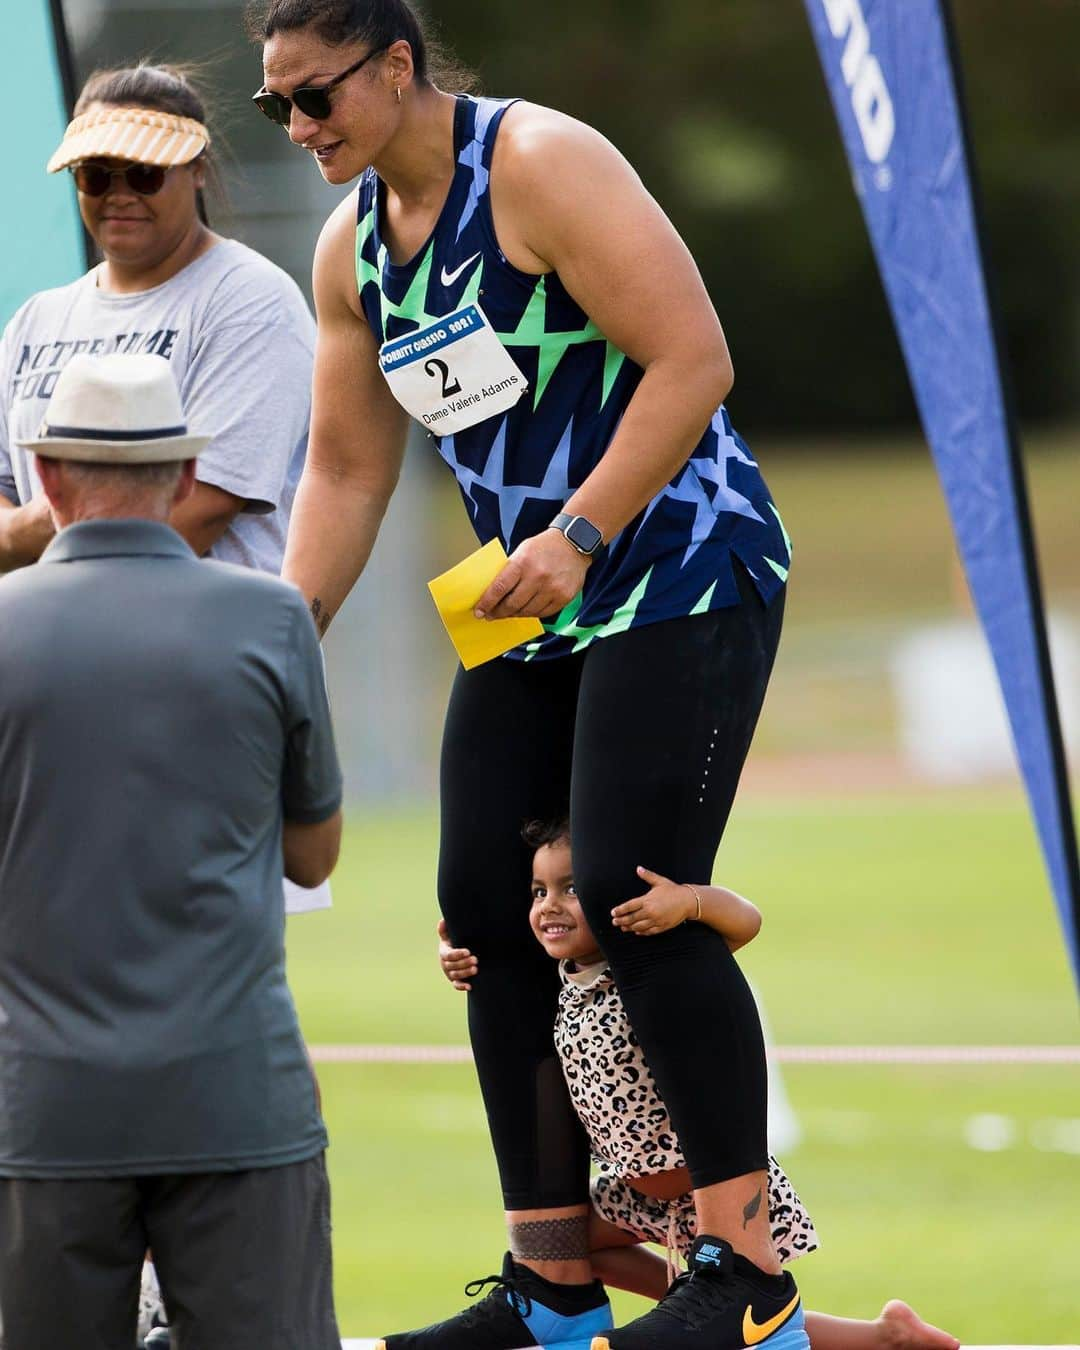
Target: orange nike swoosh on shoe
(754, 1334)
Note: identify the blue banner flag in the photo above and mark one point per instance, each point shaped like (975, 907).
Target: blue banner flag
(892, 73)
(41, 236)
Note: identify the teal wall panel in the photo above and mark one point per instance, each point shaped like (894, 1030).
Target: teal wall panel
(41, 239)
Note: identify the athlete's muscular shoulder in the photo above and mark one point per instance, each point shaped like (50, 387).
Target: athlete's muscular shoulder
(349, 392)
(334, 268)
(549, 178)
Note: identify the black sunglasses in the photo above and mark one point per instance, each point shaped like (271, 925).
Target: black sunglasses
(94, 180)
(313, 101)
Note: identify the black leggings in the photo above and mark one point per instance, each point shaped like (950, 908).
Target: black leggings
(644, 734)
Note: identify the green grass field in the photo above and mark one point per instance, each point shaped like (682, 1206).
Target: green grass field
(889, 919)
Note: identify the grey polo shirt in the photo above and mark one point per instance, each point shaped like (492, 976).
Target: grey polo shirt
(159, 716)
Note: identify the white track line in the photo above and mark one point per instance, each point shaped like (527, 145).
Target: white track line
(370, 1344)
(786, 1054)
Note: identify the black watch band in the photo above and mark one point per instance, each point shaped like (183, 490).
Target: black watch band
(580, 533)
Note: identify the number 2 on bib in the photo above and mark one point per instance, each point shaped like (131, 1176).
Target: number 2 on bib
(436, 369)
(453, 374)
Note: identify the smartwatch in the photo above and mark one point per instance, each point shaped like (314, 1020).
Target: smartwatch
(580, 533)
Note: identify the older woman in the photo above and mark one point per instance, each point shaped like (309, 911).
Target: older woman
(233, 326)
(501, 275)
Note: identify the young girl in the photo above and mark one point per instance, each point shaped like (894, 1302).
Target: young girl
(642, 1191)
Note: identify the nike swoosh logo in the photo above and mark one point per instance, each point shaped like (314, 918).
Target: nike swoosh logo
(448, 278)
(754, 1334)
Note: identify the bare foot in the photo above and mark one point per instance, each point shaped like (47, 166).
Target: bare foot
(902, 1329)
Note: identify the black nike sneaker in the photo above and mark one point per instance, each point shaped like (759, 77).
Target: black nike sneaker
(722, 1302)
(521, 1310)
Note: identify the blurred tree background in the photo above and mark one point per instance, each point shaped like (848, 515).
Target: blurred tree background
(721, 106)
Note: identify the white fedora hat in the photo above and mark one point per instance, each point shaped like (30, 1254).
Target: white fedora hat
(116, 410)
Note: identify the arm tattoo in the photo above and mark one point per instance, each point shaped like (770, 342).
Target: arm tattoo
(750, 1210)
(551, 1239)
(321, 615)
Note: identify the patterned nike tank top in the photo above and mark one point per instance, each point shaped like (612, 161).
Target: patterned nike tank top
(521, 394)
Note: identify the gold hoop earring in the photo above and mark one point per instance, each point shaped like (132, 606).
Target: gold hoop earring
(397, 90)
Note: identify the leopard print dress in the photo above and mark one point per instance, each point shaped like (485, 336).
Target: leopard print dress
(630, 1131)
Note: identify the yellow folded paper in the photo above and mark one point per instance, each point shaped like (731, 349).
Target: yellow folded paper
(455, 594)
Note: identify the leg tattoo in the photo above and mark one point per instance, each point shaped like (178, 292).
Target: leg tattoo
(551, 1239)
(750, 1210)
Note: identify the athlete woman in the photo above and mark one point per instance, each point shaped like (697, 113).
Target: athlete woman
(501, 274)
(234, 326)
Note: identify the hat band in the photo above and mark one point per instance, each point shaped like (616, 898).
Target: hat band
(97, 434)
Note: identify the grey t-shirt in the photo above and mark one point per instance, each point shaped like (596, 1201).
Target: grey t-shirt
(160, 716)
(240, 339)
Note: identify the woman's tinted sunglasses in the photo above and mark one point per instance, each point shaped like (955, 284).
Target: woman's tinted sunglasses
(94, 180)
(313, 101)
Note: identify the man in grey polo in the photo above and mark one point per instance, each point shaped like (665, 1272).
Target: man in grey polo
(164, 739)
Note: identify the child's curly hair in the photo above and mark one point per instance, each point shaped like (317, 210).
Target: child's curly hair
(546, 833)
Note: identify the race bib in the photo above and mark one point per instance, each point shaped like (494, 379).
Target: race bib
(453, 374)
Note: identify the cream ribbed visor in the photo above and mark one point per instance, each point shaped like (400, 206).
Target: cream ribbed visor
(141, 135)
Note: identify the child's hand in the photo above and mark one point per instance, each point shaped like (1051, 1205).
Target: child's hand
(664, 905)
(458, 963)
